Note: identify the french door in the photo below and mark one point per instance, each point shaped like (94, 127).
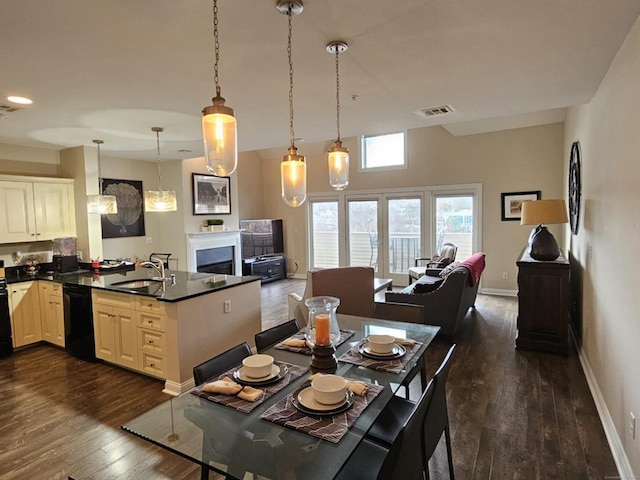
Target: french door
(389, 230)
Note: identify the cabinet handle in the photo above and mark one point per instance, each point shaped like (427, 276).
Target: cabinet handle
(33, 234)
(149, 322)
(152, 364)
(150, 342)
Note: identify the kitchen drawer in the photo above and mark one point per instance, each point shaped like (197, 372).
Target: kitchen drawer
(151, 341)
(104, 297)
(152, 321)
(151, 364)
(147, 304)
(55, 289)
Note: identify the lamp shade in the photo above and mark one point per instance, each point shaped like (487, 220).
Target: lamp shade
(293, 175)
(338, 167)
(102, 204)
(219, 130)
(160, 201)
(540, 212)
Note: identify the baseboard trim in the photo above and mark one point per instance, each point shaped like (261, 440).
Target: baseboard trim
(175, 388)
(499, 292)
(615, 444)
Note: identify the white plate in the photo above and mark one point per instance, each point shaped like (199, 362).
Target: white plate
(275, 371)
(395, 351)
(307, 400)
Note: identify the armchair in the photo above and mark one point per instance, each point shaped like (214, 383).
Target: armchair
(446, 256)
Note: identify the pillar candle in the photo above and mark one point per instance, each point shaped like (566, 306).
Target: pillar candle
(322, 329)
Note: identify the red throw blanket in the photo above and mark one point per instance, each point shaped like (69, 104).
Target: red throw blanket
(475, 264)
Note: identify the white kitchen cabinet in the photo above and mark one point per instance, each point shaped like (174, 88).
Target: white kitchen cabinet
(115, 329)
(24, 306)
(33, 210)
(51, 312)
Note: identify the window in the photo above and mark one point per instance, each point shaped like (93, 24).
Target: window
(383, 151)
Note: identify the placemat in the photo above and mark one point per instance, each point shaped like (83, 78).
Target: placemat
(330, 428)
(293, 372)
(394, 366)
(344, 336)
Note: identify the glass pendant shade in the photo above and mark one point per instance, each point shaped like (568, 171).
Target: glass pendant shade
(338, 167)
(160, 201)
(219, 131)
(293, 175)
(102, 204)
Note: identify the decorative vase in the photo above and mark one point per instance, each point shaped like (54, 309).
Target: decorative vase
(322, 327)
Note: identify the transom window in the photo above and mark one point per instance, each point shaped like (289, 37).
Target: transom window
(383, 151)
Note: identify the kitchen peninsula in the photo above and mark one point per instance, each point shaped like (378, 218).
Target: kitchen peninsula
(161, 329)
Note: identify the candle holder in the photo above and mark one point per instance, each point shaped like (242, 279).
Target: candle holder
(323, 357)
(323, 331)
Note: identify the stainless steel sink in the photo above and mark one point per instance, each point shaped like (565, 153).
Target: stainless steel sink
(148, 286)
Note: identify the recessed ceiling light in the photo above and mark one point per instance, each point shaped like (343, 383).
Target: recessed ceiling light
(20, 100)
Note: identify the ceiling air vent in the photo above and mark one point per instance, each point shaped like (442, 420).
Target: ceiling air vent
(435, 111)
(9, 108)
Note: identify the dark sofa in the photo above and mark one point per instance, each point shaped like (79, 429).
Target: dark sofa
(446, 299)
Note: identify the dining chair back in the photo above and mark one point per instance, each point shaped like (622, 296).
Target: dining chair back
(404, 312)
(403, 459)
(273, 335)
(437, 419)
(352, 285)
(220, 363)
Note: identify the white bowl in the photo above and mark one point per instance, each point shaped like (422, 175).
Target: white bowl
(381, 343)
(329, 389)
(257, 366)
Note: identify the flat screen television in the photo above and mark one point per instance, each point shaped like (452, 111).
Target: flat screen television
(261, 238)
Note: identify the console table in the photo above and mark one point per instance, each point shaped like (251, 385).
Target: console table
(267, 268)
(543, 304)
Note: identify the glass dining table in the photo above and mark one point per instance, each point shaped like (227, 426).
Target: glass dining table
(233, 443)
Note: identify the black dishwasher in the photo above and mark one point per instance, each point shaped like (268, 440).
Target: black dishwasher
(6, 345)
(78, 322)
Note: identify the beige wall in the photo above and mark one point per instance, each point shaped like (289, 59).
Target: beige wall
(607, 129)
(508, 161)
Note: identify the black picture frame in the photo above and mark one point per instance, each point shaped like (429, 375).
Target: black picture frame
(211, 194)
(512, 204)
(129, 221)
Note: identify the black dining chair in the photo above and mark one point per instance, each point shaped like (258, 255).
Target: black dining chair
(273, 335)
(403, 459)
(391, 420)
(220, 363)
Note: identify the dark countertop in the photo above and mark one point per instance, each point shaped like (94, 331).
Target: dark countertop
(187, 284)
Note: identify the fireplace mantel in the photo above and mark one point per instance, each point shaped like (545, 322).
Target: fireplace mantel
(202, 240)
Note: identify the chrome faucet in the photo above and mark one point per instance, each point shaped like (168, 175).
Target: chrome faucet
(158, 267)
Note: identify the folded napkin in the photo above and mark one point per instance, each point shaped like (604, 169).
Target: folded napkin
(225, 386)
(407, 342)
(250, 394)
(295, 342)
(356, 386)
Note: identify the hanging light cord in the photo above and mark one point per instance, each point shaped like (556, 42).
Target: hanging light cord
(98, 142)
(158, 130)
(289, 14)
(338, 92)
(217, 47)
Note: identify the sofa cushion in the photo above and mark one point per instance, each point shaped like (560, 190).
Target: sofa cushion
(426, 284)
(448, 269)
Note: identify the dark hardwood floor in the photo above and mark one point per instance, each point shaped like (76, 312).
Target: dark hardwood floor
(513, 414)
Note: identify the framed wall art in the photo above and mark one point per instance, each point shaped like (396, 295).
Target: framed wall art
(211, 195)
(512, 203)
(129, 221)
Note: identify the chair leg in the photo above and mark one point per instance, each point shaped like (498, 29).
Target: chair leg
(447, 437)
(204, 473)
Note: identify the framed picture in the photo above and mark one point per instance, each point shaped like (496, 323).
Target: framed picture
(512, 203)
(129, 221)
(211, 195)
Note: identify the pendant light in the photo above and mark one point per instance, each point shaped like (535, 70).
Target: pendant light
(293, 169)
(102, 204)
(160, 200)
(338, 155)
(219, 129)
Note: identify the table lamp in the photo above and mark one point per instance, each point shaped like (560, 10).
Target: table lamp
(542, 244)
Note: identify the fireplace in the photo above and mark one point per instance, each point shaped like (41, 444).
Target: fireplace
(214, 251)
(215, 260)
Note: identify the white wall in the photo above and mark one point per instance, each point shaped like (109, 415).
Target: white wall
(607, 129)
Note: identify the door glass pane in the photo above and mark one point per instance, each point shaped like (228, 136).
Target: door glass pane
(363, 233)
(404, 233)
(325, 234)
(454, 224)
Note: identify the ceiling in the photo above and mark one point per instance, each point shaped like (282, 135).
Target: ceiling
(113, 69)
